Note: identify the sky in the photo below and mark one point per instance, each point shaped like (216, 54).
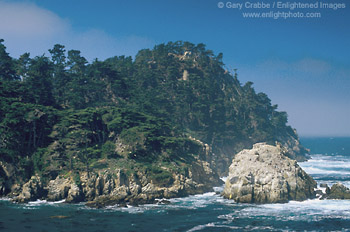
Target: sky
(303, 64)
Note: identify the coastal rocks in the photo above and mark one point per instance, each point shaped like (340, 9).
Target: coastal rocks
(143, 187)
(63, 188)
(141, 190)
(58, 189)
(337, 191)
(265, 174)
(74, 194)
(109, 186)
(105, 183)
(31, 190)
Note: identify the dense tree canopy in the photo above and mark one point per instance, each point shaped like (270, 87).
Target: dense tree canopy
(63, 113)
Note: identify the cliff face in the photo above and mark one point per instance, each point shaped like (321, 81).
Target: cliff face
(110, 186)
(107, 187)
(265, 174)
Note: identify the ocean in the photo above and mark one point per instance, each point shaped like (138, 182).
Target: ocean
(330, 163)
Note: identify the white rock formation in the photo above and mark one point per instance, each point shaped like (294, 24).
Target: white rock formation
(265, 174)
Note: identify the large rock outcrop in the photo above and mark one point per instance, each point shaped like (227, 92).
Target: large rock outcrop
(264, 174)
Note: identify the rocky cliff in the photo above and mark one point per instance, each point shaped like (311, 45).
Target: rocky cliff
(119, 186)
(264, 174)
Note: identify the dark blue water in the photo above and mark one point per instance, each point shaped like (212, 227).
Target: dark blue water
(207, 212)
(327, 145)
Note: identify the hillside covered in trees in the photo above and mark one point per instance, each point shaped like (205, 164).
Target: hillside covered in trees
(160, 114)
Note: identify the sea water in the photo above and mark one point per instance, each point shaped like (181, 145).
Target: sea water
(330, 163)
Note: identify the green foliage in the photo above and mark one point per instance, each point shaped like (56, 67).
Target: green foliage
(76, 178)
(99, 164)
(63, 114)
(108, 150)
(7, 65)
(38, 159)
(160, 177)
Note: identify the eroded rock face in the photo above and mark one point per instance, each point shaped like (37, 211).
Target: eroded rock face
(139, 189)
(58, 189)
(106, 186)
(31, 190)
(265, 174)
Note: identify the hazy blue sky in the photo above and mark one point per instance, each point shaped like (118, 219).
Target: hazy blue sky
(303, 64)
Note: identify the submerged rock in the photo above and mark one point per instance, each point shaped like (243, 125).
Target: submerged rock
(265, 174)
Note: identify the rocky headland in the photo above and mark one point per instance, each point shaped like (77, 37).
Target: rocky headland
(165, 124)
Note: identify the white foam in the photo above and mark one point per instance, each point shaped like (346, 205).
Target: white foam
(315, 207)
(319, 170)
(336, 167)
(321, 162)
(322, 189)
(214, 225)
(190, 202)
(201, 227)
(45, 202)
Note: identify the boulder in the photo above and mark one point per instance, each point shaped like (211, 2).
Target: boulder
(338, 191)
(264, 174)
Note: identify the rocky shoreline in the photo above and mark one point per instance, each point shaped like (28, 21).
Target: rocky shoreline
(263, 174)
(111, 187)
